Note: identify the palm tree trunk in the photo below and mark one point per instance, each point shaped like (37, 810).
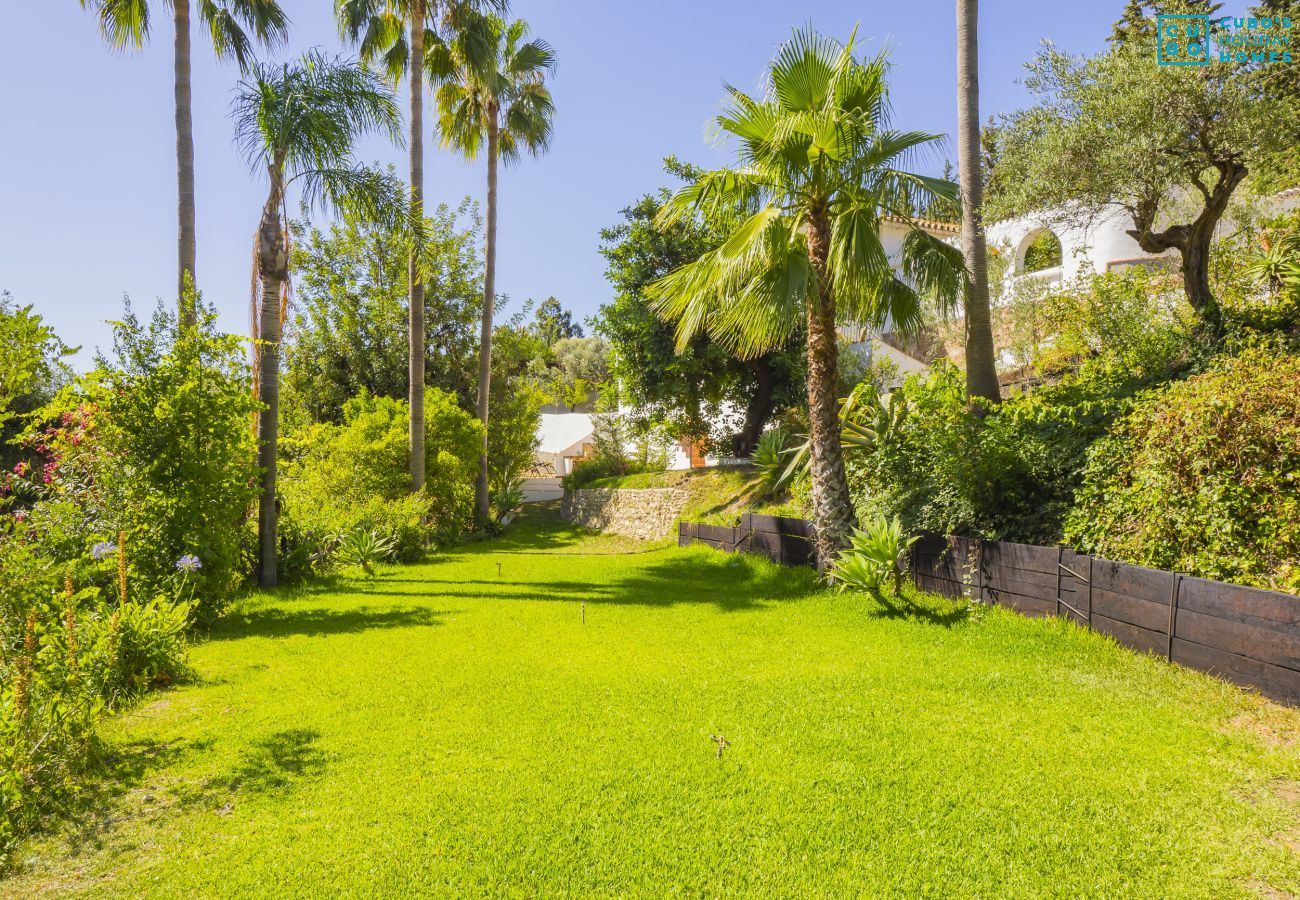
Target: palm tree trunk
(273, 266)
(831, 501)
(981, 371)
(489, 295)
(185, 237)
(416, 336)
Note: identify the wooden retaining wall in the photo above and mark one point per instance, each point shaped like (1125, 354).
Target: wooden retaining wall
(783, 540)
(1245, 635)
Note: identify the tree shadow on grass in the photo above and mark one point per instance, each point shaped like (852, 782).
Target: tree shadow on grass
(280, 621)
(730, 582)
(276, 762)
(117, 770)
(917, 606)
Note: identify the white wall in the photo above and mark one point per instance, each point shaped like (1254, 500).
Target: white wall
(1100, 246)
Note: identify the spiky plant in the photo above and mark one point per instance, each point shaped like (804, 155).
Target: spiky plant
(365, 548)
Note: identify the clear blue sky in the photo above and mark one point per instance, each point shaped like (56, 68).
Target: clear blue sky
(87, 164)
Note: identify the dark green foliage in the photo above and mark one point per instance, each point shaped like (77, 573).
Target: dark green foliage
(683, 393)
(31, 370)
(554, 323)
(1203, 477)
(1012, 473)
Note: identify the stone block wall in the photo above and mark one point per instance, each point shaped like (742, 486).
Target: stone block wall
(645, 513)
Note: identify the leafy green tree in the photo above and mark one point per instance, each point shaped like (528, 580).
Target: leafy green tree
(578, 373)
(517, 397)
(299, 123)
(1117, 131)
(492, 99)
(818, 168)
(555, 323)
(30, 357)
(682, 392)
(126, 24)
(981, 368)
(351, 295)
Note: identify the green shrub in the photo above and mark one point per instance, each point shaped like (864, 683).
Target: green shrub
(66, 657)
(340, 479)
(1203, 477)
(157, 445)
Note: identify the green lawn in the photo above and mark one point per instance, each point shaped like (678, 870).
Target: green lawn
(455, 729)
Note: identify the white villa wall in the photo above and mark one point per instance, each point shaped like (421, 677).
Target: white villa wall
(1103, 245)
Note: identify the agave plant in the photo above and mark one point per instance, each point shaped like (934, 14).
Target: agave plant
(875, 554)
(769, 458)
(1277, 263)
(365, 548)
(867, 421)
(508, 502)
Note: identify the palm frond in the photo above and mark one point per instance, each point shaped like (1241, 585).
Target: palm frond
(936, 268)
(124, 24)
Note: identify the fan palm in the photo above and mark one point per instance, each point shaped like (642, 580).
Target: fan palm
(492, 98)
(819, 168)
(299, 123)
(126, 24)
(394, 34)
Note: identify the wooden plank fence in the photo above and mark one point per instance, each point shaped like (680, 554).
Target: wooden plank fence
(783, 540)
(1246, 635)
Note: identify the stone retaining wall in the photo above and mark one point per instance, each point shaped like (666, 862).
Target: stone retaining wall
(645, 513)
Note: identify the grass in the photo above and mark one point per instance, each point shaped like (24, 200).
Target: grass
(716, 495)
(455, 729)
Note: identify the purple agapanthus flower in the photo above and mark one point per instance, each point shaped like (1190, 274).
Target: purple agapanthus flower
(188, 563)
(103, 549)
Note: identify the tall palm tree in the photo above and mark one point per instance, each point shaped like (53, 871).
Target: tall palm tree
(125, 24)
(299, 123)
(981, 372)
(819, 165)
(394, 34)
(492, 97)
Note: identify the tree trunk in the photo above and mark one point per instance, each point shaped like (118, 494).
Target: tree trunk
(1194, 241)
(981, 370)
(416, 337)
(489, 296)
(757, 411)
(185, 236)
(273, 267)
(832, 505)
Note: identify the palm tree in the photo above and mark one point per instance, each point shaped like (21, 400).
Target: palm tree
(818, 168)
(492, 96)
(125, 24)
(394, 34)
(299, 123)
(981, 372)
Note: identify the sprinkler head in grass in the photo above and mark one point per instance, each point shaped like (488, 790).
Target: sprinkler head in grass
(722, 743)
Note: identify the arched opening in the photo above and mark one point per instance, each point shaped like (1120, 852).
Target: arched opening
(1040, 250)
